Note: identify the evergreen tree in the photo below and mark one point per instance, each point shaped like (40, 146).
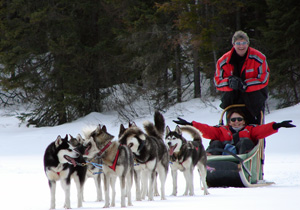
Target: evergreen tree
(64, 58)
(148, 38)
(282, 35)
(57, 54)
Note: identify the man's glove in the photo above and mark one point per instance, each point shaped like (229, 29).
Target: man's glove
(236, 83)
(181, 121)
(285, 124)
(233, 82)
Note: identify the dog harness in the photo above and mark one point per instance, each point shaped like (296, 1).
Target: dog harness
(104, 148)
(113, 167)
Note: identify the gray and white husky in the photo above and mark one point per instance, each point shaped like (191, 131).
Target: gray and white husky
(185, 155)
(117, 162)
(60, 164)
(150, 153)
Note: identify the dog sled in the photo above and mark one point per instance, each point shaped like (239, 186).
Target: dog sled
(237, 170)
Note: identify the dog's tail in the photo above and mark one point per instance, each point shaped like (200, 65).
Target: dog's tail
(158, 129)
(194, 132)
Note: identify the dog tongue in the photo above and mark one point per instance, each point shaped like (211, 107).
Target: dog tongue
(171, 150)
(86, 152)
(73, 162)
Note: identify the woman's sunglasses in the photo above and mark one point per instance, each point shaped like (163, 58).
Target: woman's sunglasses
(240, 119)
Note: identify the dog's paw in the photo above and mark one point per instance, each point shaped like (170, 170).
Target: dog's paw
(106, 205)
(150, 199)
(206, 193)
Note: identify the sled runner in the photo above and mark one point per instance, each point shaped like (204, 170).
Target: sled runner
(237, 170)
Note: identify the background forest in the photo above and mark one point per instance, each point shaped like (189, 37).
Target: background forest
(64, 59)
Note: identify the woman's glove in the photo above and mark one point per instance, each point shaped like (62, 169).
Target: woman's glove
(285, 124)
(181, 121)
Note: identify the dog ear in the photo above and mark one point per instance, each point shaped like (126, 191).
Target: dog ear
(104, 129)
(132, 124)
(80, 139)
(97, 131)
(167, 130)
(178, 130)
(66, 138)
(58, 141)
(122, 130)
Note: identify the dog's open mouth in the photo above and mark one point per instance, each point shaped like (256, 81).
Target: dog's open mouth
(171, 149)
(70, 160)
(87, 149)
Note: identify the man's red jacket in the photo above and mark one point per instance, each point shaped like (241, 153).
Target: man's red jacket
(255, 71)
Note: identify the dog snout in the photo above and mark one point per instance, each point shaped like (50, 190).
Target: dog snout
(77, 151)
(77, 154)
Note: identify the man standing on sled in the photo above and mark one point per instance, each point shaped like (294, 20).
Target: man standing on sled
(242, 74)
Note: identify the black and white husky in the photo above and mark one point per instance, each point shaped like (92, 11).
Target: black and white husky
(94, 165)
(60, 164)
(150, 154)
(117, 162)
(185, 155)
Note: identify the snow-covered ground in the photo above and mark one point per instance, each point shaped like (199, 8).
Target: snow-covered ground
(23, 184)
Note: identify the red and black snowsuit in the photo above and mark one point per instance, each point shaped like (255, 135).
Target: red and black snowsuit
(223, 133)
(253, 70)
(244, 140)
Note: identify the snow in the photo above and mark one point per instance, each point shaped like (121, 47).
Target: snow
(23, 183)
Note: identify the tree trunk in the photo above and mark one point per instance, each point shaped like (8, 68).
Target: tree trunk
(197, 86)
(178, 76)
(238, 18)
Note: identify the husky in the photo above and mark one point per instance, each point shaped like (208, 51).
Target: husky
(150, 154)
(137, 167)
(94, 169)
(60, 164)
(139, 171)
(117, 162)
(185, 155)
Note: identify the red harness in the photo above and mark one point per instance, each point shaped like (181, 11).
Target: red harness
(113, 167)
(104, 148)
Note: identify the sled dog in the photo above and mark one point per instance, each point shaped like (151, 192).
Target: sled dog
(117, 162)
(60, 164)
(139, 172)
(94, 169)
(150, 154)
(137, 167)
(185, 155)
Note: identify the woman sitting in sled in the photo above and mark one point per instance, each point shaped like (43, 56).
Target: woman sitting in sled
(237, 136)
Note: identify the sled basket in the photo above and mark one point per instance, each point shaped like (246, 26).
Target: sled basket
(243, 170)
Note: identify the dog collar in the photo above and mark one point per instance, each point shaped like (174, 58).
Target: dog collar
(104, 148)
